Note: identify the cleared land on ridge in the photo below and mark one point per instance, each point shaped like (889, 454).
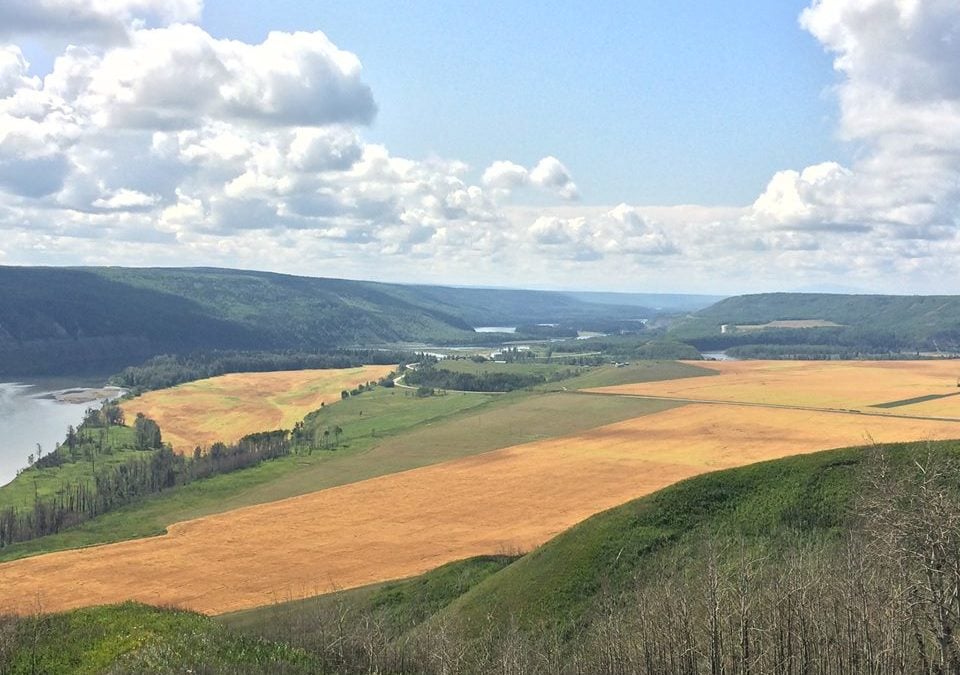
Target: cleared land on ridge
(228, 407)
(407, 523)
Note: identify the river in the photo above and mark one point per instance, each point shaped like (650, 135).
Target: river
(29, 414)
(718, 356)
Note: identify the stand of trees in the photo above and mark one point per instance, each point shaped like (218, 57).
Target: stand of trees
(628, 347)
(169, 370)
(839, 340)
(156, 470)
(431, 377)
(815, 352)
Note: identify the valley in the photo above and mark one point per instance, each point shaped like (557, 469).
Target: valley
(479, 338)
(372, 529)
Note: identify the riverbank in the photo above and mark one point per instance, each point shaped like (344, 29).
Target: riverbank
(85, 394)
(35, 414)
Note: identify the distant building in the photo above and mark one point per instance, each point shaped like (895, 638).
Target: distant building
(726, 328)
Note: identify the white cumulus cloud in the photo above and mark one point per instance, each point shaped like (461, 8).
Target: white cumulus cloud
(174, 77)
(181, 148)
(900, 102)
(549, 174)
(99, 21)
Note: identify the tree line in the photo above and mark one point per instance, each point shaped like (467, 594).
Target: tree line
(431, 377)
(156, 470)
(817, 352)
(850, 339)
(169, 369)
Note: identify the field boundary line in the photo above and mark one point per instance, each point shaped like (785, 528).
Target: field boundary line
(755, 404)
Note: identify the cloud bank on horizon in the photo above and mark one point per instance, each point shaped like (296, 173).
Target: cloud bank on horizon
(152, 142)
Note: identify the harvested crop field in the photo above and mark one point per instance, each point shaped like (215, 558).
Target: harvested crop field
(846, 385)
(407, 523)
(227, 407)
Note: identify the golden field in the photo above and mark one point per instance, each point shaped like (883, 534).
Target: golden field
(228, 407)
(846, 385)
(410, 522)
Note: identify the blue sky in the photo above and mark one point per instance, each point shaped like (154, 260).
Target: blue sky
(634, 146)
(647, 102)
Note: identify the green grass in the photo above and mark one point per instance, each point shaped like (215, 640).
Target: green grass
(511, 420)
(395, 432)
(776, 505)
(557, 585)
(637, 371)
(402, 604)
(134, 638)
(21, 491)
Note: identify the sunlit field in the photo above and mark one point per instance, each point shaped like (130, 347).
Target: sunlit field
(409, 522)
(228, 407)
(896, 387)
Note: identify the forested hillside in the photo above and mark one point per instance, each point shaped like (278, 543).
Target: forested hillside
(60, 320)
(508, 307)
(865, 324)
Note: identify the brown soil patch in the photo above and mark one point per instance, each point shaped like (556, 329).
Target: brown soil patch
(407, 523)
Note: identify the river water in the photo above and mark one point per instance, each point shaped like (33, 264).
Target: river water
(718, 356)
(29, 415)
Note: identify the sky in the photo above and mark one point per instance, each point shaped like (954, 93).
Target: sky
(624, 146)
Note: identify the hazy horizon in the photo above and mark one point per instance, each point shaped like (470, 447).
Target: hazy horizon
(688, 149)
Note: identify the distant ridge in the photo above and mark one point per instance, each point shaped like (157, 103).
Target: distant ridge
(58, 320)
(867, 323)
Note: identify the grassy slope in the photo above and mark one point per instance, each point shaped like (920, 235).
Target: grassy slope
(405, 603)
(384, 431)
(134, 638)
(556, 585)
(640, 371)
(20, 492)
(777, 503)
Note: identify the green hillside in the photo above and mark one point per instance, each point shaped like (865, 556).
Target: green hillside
(802, 564)
(839, 561)
(558, 585)
(865, 323)
(65, 320)
(134, 638)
